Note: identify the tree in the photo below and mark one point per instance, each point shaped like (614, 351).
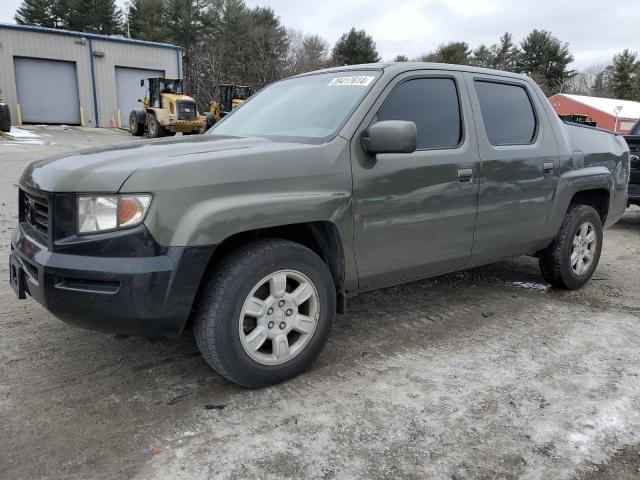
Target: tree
(306, 53)
(483, 57)
(266, 53)
(505, 53)
(545, 59)
(453, 52)
(584, 83)
(625, 82)
(355, 47)
(142, 20)
(94, 16)
(43, 13)
(602, 84)
(401, 58)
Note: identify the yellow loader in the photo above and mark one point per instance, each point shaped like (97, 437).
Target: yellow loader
(167, 111)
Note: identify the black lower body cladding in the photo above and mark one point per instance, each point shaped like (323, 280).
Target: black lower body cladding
(149, 296)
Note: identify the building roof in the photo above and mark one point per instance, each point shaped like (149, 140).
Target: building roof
(630, 109)
(94, 36)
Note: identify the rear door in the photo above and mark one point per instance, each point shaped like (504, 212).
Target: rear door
(415, 213)
(519, 168)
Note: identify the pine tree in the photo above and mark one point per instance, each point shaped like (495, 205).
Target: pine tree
(355, 47)
(95, 16)
(457, 53)
(505, 53)
(626, 76)
(545, 59)
(142, 21)
(43, 13)
(401, 58)
(483, 57)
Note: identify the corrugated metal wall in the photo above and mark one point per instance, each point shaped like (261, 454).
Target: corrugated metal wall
(106, 54)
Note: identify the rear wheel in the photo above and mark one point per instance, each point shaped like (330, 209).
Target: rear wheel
(211, 120)
(5, 118)
(265, 313)
(572, 257)
(155, 129)
(136, 122)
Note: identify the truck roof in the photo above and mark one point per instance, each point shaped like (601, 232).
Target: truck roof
(400, 67)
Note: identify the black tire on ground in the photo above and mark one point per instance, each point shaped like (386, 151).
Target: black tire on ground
(154, 128)
(217, 326)
(168, 133)
(137, 120)
(211, 120)
(557, 260)
(190, 133)
(5, 118)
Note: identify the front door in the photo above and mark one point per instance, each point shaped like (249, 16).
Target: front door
(415, 213)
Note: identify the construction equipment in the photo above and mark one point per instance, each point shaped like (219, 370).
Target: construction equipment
(167, 110)
(231, 96)
(5, 116)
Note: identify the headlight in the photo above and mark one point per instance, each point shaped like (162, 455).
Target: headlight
(111, 212)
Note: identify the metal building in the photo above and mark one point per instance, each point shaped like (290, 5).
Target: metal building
(608, 113)
(61, 77)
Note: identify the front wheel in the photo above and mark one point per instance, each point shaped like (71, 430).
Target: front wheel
(155, 129)
(572, 257)
(265, 312)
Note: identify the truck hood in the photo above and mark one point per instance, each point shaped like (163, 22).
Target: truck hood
(106, 169)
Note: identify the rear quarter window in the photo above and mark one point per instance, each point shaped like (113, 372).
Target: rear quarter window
(507, 113)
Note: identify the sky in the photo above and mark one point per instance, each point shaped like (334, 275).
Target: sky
(595, 29)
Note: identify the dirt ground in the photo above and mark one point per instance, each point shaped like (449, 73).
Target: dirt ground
(476, 375)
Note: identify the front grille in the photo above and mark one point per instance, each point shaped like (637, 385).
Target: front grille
(35, 212)
(187, 110)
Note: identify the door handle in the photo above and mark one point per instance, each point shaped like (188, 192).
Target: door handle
(548, 168)
(465, 175)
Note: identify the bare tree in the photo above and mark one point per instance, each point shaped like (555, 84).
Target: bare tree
(306, 52)
(585, 81)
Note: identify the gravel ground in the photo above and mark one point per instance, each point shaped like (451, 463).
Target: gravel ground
(481, 374)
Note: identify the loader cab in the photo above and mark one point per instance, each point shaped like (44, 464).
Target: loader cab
(159, 86)
(232, 95)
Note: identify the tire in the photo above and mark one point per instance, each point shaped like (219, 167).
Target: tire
(225, 340)
(211, 120)
(154, 128)
(5, 118)
(557, 263)
(136, 122)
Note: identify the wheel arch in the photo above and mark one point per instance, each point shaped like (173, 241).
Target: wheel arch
(321, 237)
(597, 198)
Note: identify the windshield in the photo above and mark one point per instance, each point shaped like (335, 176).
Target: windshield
(171, 86)
(306, 109)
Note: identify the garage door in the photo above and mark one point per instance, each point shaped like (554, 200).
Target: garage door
(47, 91)
(129, 89)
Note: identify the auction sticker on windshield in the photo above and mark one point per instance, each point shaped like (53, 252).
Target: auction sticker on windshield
(360, 81)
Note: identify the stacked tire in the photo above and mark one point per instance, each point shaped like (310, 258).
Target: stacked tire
(5, 118)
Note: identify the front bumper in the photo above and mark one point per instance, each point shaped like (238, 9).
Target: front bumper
(186, 125)
(149, 296)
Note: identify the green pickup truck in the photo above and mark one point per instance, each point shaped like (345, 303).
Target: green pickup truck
(320, 187)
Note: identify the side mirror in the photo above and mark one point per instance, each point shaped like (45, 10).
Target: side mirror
(391, 136)
(140, 101)
(142, 83)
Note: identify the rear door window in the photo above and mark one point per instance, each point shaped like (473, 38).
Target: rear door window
(433, 105)
(507, 113)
